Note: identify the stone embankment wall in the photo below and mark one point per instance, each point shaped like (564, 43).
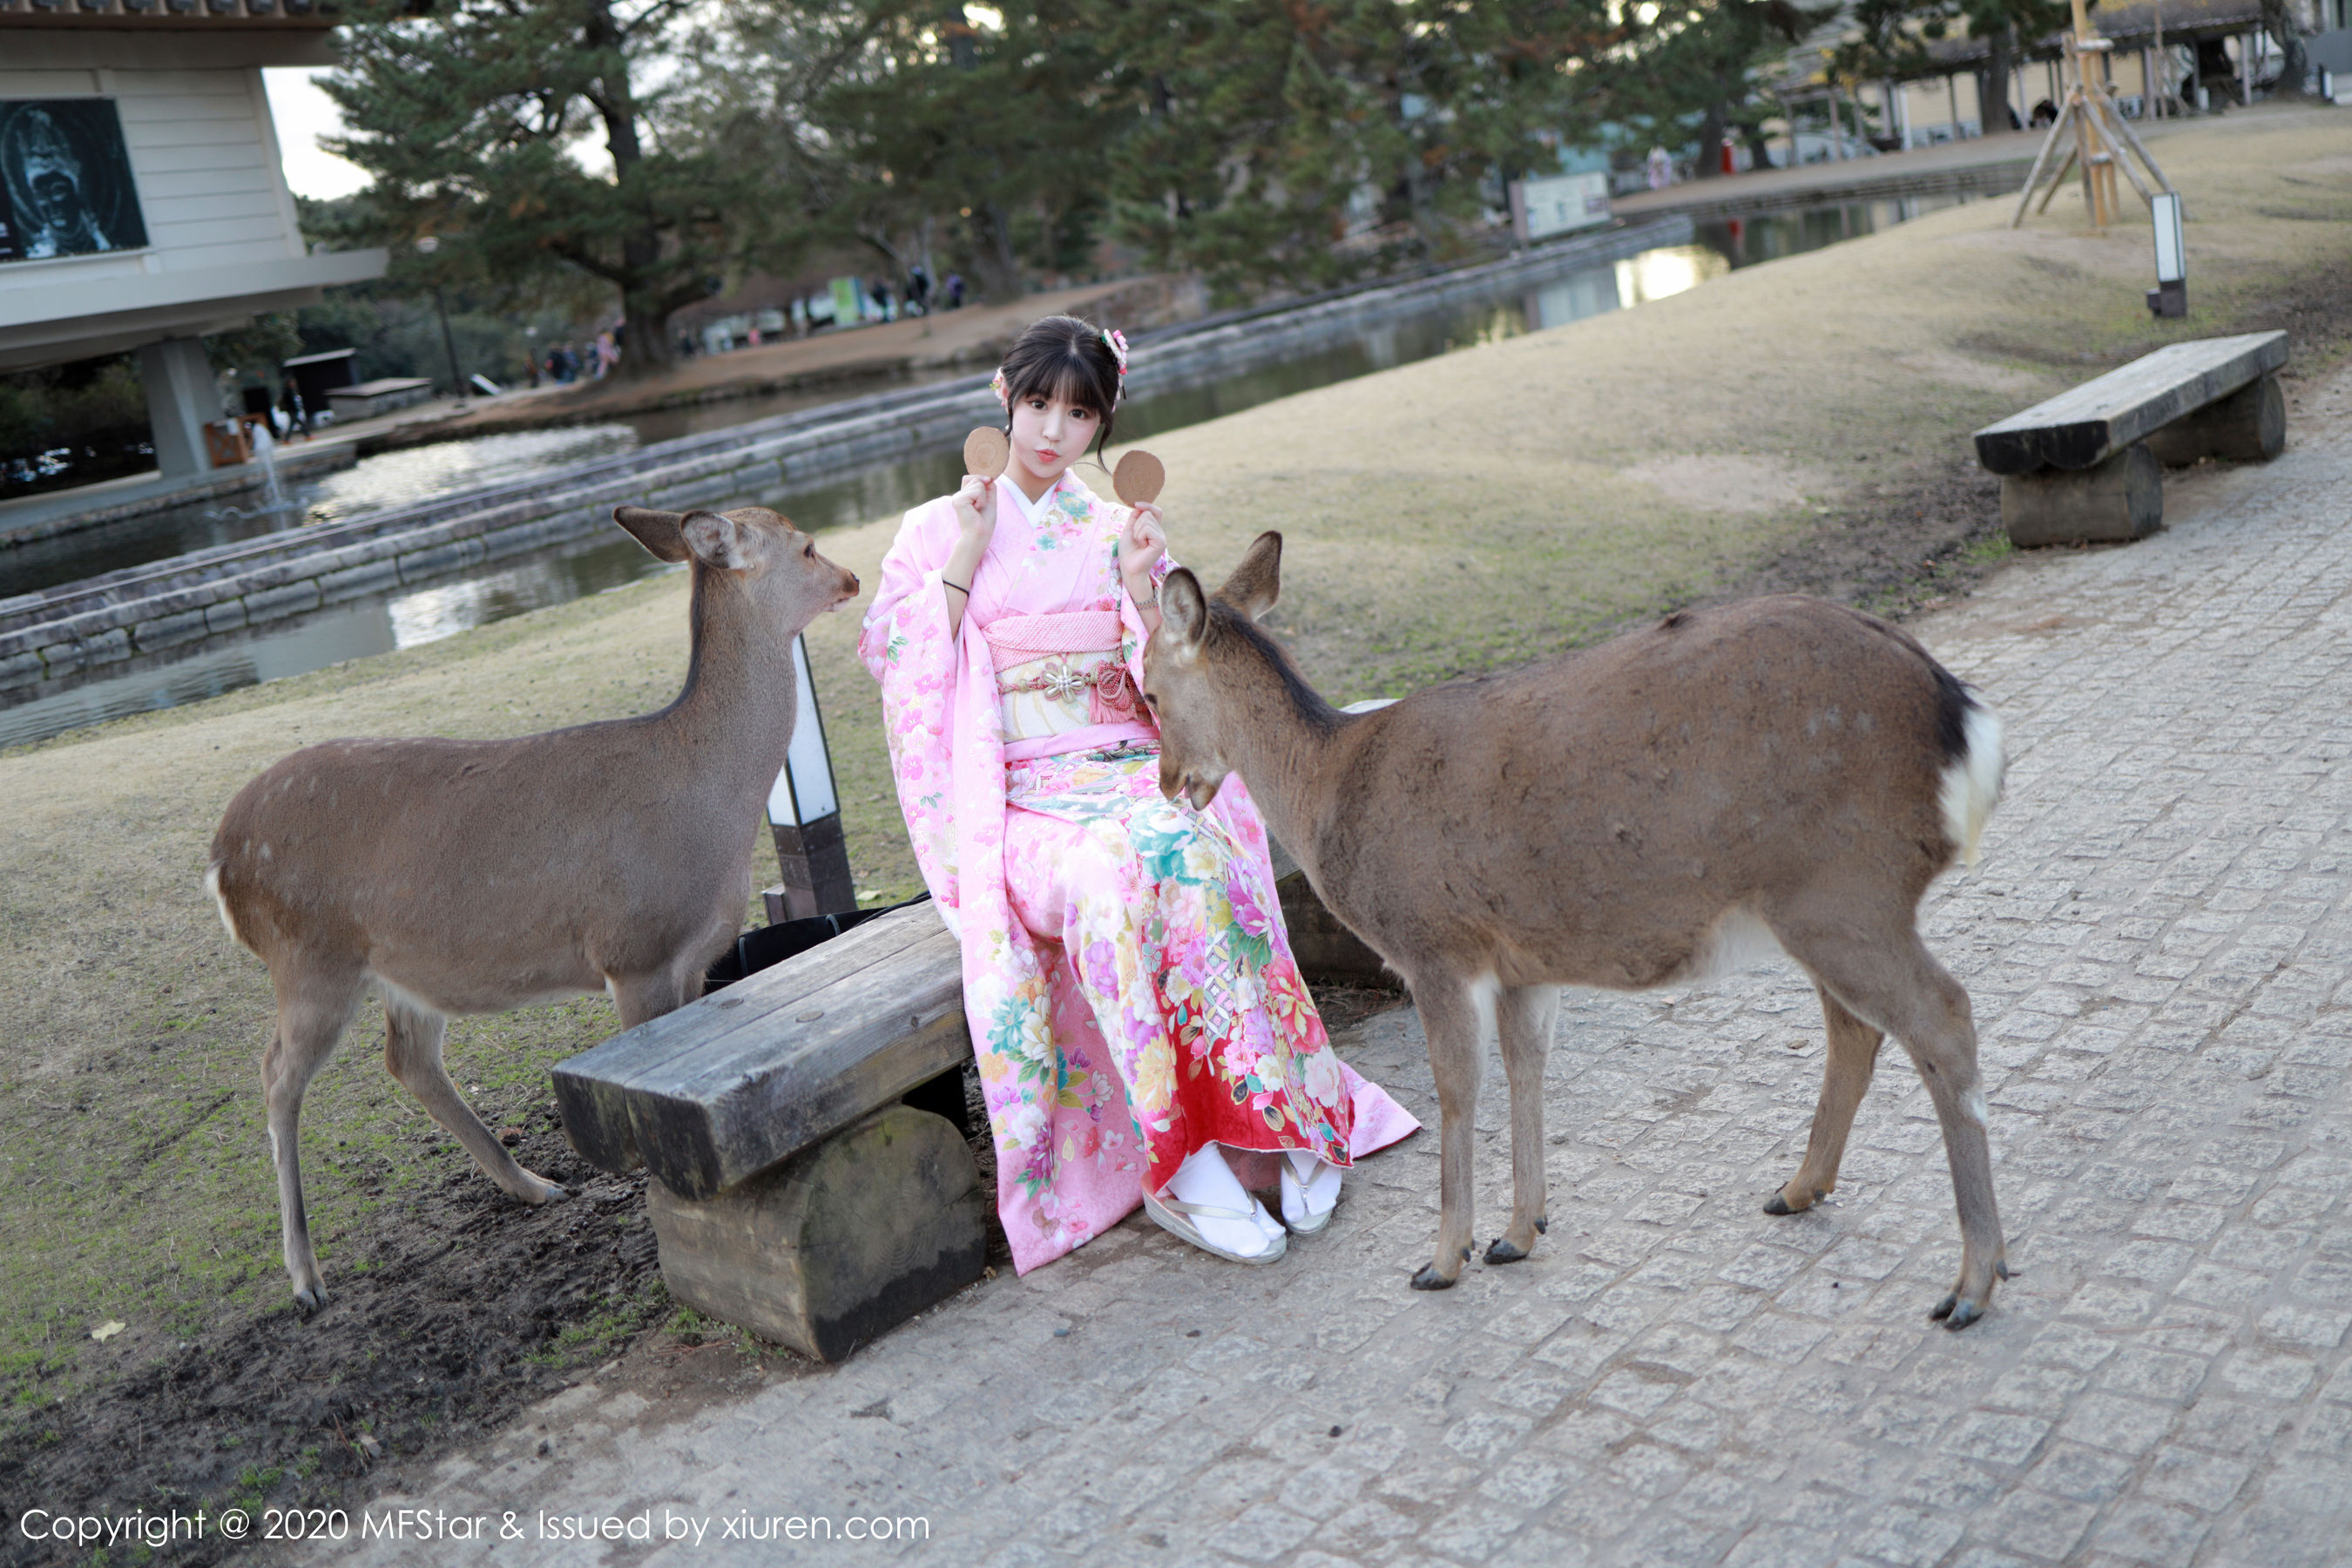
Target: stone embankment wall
(79, 629)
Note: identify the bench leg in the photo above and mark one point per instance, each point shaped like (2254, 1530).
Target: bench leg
(839, 1244)
(1327, 952)
(2119, 500)
(2247, 426)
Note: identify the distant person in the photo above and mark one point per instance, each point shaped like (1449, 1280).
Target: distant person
(1661, 169)
(291, 401)
(881, 292)
(918, 289)
(2044, 113)
(955, 291)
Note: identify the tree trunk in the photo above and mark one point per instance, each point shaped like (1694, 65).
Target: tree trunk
(2295, 59)
(1993, 83)
(1709, 161)
(645, 324)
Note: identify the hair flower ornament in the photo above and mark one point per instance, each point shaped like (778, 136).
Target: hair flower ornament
(1004, 391)
(1115, 342)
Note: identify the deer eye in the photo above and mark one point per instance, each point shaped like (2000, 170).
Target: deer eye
(1151, 699)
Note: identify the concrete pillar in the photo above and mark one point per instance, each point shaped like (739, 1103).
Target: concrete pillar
(183, 397)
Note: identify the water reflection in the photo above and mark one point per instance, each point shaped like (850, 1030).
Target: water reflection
(417, 616)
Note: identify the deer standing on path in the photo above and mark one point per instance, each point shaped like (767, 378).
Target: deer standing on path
(1644, 813)
(476, 876)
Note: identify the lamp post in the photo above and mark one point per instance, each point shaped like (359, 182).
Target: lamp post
(2170, 295)
(804, 814)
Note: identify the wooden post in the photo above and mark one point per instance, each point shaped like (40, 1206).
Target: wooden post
(1952, 92)
(841, 1243)
(2119, 500)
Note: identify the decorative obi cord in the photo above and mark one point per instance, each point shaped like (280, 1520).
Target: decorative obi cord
(1062, 686)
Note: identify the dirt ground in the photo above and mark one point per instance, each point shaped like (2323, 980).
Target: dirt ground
(1802, 425)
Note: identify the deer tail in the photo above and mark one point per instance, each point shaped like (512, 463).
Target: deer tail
(1974, 764)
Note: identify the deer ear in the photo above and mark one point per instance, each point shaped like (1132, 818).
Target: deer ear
(1257, 583)
(656, 531)
(1183, 610)
(716, 540)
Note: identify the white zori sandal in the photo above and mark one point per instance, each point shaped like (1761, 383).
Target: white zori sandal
(1308, 1195)
(1216, 1198)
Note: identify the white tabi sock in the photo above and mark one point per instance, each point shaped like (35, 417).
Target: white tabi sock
(1319, 1179)
(1206, 1178)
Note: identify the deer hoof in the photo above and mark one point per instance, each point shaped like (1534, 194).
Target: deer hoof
(1429, 1278)
(547, 1192)
(310, 1299)
(1776, 1203)
(1955, 1313)
(1502, 1251)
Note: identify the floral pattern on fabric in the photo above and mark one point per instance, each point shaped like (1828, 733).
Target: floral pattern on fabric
(1169, 932)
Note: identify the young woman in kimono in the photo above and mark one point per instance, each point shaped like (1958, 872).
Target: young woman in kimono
(1133, 997)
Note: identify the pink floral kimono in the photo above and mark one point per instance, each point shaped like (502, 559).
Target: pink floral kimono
(1130, 990)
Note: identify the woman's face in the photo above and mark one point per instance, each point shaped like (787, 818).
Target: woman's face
(1049, 434)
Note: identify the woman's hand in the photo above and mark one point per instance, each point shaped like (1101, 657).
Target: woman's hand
(1141, 543)
(975, 509)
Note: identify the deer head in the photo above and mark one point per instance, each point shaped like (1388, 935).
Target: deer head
(759, 550)
(1195, 665)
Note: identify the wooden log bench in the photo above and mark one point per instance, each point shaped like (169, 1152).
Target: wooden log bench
(2086, 467)
(804, 1125)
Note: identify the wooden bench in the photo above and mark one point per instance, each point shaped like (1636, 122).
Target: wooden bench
(797, 1192)
(2087, 465)
(804, 1125)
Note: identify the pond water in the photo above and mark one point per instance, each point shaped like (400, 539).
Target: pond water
(405, 618)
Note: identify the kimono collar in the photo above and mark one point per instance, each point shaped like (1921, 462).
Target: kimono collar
(1029, 509)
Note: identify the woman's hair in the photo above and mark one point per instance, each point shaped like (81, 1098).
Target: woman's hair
(1064, 357)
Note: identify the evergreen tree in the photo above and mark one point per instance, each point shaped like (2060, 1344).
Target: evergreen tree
(1301, 144)
(483, 121)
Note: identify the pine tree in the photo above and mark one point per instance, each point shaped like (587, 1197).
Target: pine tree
(483, 124)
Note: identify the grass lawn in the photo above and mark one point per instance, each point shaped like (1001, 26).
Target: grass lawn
(1477, 510)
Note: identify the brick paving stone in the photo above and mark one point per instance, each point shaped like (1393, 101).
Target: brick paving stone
(2158, 945)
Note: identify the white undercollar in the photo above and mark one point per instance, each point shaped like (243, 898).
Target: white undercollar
(1029, 509)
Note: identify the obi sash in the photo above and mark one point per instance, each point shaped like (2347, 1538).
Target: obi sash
(1060, 683)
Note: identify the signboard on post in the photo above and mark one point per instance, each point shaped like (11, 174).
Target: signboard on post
(804, 814)
(1557, 203)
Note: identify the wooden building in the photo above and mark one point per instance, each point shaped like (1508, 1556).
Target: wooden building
(142, 202)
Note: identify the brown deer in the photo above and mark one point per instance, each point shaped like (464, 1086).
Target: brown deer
(1644, 813)
(475, 876)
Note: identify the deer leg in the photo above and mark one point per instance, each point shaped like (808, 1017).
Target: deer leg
(1524, 1016)
(311, 1016)
(412, 1050)
(645, 997)
(1454, 1016)
(1898, 987)
(1852, 1057)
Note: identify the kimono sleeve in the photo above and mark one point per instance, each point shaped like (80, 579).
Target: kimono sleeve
(906, 645)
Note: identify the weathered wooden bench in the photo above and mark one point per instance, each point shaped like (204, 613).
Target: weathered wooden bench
(804, 1125)
(804, 1129)
(2087, 465)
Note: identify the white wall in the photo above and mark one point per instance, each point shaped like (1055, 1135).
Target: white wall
(204, 159)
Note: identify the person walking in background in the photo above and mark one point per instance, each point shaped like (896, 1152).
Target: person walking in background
(918, 289)
(955, 291)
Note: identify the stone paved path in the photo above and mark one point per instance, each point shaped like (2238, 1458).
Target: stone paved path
(2160, 946)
